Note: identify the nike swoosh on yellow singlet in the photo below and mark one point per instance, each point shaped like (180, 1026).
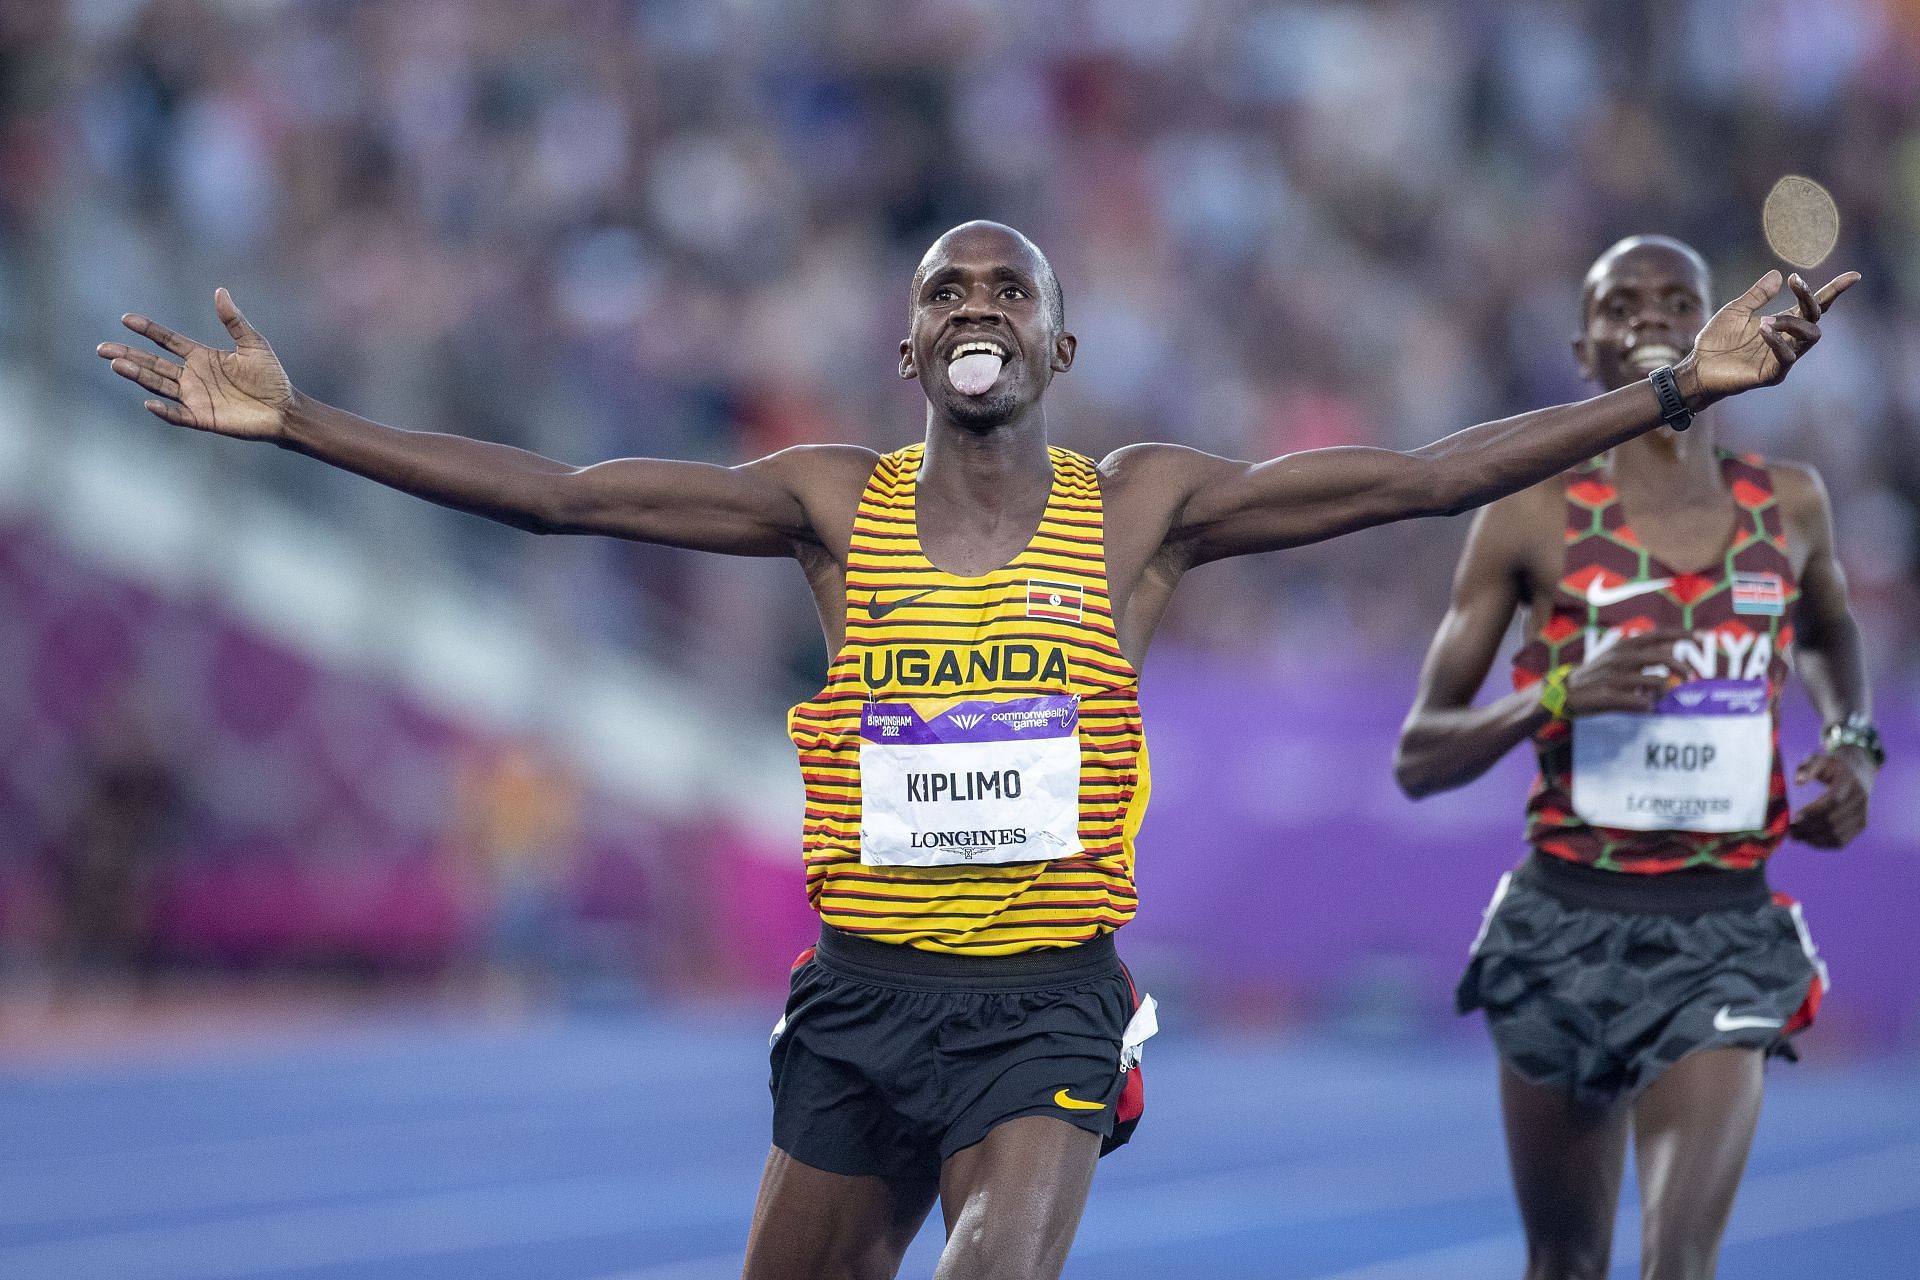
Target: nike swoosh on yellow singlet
(877, 610)
(1062, 1099)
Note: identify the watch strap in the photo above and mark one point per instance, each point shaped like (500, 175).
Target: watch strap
(1673, 405)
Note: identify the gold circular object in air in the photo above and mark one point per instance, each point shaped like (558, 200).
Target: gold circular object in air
(1801, 221)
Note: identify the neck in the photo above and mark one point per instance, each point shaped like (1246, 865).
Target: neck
(987, 468)
(1669, 459)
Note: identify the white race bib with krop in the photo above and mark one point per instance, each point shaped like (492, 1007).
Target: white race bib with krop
(1701, 760)
(987, 780)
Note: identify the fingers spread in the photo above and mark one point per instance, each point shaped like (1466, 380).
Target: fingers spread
(1782, 347)
(147, 376)
(1764, 288)
(1835, 287)
(223, 306)
(145, 360)
(1809, 307)
(1802, 330)
(168, 411)
(157, 333)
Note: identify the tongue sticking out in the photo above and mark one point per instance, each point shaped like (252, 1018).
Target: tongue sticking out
(972, 375)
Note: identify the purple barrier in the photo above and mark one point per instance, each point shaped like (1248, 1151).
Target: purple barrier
(280, 810)
(260, 905)
(1281, 868)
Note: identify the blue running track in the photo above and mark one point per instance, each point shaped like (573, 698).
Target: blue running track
(629, 1149)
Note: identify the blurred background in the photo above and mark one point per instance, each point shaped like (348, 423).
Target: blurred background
(281, 748)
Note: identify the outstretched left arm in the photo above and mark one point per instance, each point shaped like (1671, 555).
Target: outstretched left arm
(1232, 508)
(1828, 657)
(1239, 508)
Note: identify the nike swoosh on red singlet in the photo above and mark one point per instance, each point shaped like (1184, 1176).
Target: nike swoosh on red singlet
(1600, 596)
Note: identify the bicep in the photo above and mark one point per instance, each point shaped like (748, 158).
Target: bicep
(1486, 590)
(1238, 508)
(754, 509)
(1822, 608)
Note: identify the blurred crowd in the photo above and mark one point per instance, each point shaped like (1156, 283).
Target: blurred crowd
(685, 228)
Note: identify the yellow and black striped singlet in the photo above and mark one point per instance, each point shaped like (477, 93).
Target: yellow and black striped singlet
(1040, 625)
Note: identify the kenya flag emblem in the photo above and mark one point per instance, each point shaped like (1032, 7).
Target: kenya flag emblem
(1762, 593)
(1060, 601)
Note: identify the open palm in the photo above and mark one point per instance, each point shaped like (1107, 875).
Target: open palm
(1739, 350)
(242, 393)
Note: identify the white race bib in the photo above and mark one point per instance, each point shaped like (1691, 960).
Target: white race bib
(1699, 761)
(986, 780)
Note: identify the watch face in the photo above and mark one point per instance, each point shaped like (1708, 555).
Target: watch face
(1855, 731)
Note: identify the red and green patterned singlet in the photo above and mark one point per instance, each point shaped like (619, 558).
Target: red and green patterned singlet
(1739, 612)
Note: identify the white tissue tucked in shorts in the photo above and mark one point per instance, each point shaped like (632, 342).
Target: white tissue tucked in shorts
(1140, 1028)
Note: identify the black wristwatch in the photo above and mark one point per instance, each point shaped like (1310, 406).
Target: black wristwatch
(1855, 731)
(1673, 405)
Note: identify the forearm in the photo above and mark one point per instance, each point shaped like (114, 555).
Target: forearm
(1482, 463)
(1444, 748)
(498, 481)
(1834, 670)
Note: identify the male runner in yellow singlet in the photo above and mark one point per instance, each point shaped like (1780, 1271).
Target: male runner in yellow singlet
(974, 765)
(1636, 969)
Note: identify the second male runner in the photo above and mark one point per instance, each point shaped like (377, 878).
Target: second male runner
(1636, 968)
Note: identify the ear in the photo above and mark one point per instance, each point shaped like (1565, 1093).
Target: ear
(1063, 348)
(906, 359)
(1583, 356)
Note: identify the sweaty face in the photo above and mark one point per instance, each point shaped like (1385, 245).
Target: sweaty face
(983, 341)
(1644, 311)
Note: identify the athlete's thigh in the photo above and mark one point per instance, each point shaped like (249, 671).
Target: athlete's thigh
(1693, 1128)
(809, 1224)
(1012, 1201)
(1567, 1159)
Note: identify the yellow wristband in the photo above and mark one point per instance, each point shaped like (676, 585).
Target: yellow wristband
(1553, 691)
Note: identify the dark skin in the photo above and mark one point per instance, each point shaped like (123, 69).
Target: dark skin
(1012, 1202)
(1692, 1127)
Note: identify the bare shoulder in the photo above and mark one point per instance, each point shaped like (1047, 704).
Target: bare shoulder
(1524, 522)
(826, 480)
(1801, 492)
(822, 461)
(1156, 461)
(1164, 474)
(821, 471)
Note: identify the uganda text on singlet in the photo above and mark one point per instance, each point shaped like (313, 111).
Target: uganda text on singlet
(1697, 781)
(975, 768)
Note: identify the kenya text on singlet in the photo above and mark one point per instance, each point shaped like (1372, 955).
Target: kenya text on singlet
(1696, 782)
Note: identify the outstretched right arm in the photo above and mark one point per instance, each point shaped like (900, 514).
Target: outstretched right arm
(761, 508)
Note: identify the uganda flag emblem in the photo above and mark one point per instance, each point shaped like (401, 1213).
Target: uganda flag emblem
(1060, 601)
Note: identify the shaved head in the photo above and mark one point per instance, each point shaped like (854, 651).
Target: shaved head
(1642, 245)
(1015, 247)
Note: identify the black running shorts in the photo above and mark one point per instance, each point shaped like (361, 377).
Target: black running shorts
(890, 1059)
(1585, 995)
